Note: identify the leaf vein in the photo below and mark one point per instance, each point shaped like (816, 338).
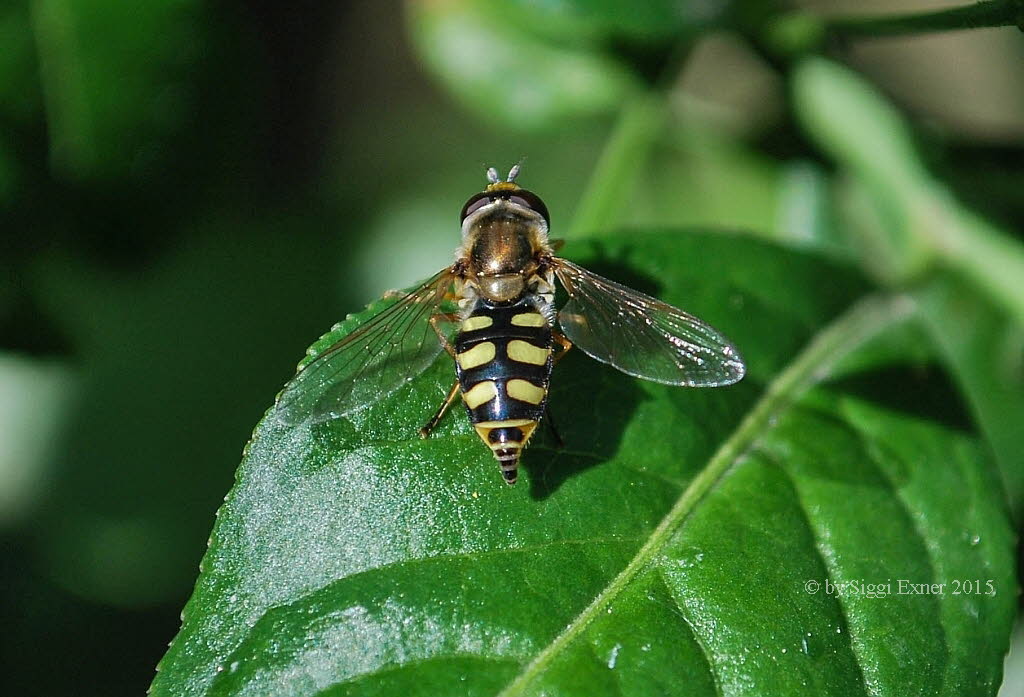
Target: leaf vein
(862, 321)
(848, 636)
(681, 612)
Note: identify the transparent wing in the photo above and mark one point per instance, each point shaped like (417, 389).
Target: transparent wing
(641, 335)
(380, 356)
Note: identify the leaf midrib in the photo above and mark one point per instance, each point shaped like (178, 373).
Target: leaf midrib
(863, 320)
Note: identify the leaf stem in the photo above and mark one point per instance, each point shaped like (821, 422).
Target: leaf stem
(992, 13)
(857, 325)
(607, 193)
(802, 32)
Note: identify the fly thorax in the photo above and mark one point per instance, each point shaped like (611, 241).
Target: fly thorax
(500, 255)
(501, 245)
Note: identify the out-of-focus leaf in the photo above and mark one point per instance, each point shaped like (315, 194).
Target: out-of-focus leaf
(701, 178)
(985, 351)
(865, 134)
(606, 202)
(904, 222)
(907, 222)
(115, 80)
(508, 77)
(20, 95)
(652, 21)
(34, 398)
(670, 544)
(126, 514)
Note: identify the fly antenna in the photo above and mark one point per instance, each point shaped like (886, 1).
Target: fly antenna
(514, 172)
(492, 175)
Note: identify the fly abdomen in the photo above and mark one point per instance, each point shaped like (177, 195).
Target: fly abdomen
(503, 362)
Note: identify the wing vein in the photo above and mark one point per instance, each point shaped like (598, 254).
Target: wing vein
(371, 361)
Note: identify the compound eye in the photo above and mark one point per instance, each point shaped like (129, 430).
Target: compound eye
(474, 204)
(530, 200)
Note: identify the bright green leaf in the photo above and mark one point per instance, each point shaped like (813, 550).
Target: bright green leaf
(666, 547)
(508, 77)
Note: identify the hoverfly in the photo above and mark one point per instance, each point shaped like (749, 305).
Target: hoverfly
(493, 312)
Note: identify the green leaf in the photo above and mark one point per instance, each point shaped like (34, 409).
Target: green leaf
(904, 223)
(509, 77)
(115, 83)
(908, 224)
(804, 31)
(19, 89)
(868, 136)
(651, 21)
(104, 510)
(985, 351)
(668, 546)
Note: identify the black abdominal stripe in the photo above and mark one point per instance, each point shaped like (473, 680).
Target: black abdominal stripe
(503, 361)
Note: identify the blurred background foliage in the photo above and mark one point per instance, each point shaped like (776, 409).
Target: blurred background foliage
(175, 175)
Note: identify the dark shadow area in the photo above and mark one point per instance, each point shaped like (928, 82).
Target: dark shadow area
(615, 270)
(590, 404)
(923, 392)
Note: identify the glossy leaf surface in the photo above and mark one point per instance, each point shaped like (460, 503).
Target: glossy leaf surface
(670, 546)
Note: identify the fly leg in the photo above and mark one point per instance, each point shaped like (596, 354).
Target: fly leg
(447, 317)
(454, 391)
(439, 414)
(559, 443)
(564, 344)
